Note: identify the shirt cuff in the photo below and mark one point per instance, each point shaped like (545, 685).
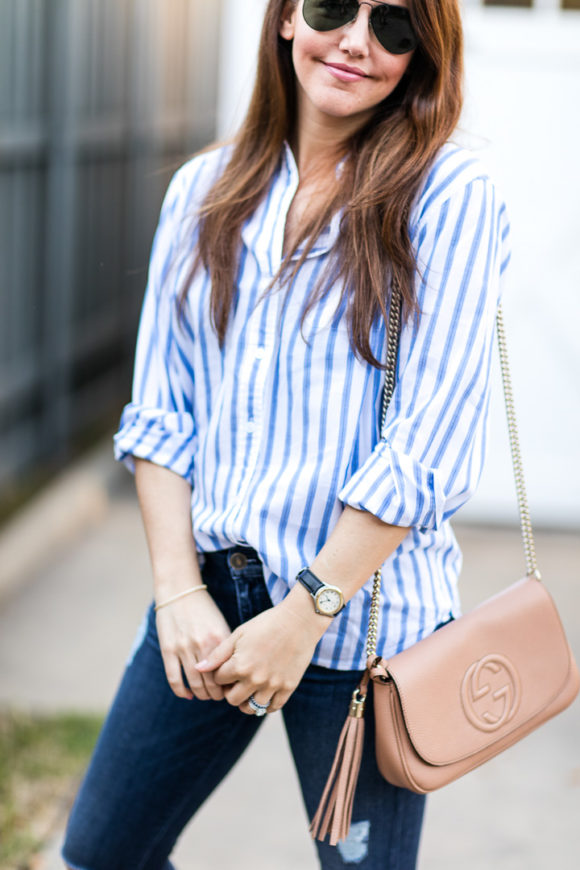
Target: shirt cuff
(163, 437)
(397, 489)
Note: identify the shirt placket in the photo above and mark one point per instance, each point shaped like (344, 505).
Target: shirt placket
(261, 344)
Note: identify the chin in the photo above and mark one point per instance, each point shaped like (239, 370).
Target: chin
(340, 108)
(339, 103)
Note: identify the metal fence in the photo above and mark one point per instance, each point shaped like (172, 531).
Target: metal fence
(99, 101)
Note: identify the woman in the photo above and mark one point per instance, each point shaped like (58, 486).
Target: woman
(253, 429)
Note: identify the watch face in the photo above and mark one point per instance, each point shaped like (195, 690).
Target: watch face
(329, 600)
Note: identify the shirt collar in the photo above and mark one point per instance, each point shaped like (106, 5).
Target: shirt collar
(263, 232)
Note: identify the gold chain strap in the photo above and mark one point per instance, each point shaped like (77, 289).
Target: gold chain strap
(524, 511)
(394, 327)
(525, 521)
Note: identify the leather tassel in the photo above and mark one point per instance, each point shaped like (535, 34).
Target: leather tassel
(334, 812)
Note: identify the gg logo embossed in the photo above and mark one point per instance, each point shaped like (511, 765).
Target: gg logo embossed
(490, 692)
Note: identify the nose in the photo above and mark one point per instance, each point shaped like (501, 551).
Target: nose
(356, 34)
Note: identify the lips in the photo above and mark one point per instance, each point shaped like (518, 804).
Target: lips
(345, 73)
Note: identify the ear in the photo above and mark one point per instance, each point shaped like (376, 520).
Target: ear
(287, 20)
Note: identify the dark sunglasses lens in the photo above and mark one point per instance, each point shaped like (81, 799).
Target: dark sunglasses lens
(392, 28)
(391, 24)
(329, 14)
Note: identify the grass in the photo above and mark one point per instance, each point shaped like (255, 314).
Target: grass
(41, 757)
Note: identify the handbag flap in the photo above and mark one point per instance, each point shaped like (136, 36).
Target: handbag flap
(479, 677)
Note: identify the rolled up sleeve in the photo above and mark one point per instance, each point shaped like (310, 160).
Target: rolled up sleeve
(158, 424)
(429, 458)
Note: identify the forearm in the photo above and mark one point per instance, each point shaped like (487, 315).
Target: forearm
(357, 546)
(165, 501)
(270, 653)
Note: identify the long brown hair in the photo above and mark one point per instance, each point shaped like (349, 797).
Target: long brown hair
(385, 164)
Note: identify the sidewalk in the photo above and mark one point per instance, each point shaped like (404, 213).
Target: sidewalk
(65, 633)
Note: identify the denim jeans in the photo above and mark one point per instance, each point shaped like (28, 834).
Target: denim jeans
(159, 757)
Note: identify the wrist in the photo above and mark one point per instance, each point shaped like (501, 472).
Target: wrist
(174, 576)
(327, 598)
(198, 588)
(299, 605)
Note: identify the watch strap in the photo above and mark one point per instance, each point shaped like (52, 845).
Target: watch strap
(310, 581)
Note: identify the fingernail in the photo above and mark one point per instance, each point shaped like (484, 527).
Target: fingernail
(201, 664)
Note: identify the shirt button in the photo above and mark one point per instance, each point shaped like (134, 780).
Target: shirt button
(250, 426)
(260, 352)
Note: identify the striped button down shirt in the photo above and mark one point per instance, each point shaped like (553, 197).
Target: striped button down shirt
(278, 429)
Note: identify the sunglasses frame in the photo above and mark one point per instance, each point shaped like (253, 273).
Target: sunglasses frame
(389, 6)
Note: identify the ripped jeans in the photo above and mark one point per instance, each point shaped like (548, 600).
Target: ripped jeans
(159, 757)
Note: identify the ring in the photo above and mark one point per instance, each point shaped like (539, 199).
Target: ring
(259, 709)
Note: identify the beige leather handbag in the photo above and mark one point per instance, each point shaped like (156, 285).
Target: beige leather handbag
(466, 692)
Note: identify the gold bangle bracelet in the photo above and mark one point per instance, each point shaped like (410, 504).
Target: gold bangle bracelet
(180, 595)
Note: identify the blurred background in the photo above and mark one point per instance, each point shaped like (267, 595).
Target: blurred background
(100, 102)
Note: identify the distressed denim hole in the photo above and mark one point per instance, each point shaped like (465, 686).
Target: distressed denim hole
(355, 848)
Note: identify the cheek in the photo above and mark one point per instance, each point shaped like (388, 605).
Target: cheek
(396, 65)
(306, 47)
(392, 68)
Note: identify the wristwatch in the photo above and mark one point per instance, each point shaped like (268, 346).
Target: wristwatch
(328, 600)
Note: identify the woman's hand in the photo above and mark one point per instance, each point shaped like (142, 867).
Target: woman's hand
(265, 657)
(189, 629)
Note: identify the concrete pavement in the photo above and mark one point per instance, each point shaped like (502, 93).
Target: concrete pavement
(65, 634)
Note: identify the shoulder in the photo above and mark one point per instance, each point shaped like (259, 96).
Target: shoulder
(454, 171)
(458, 200)
(193, 180)
(185, 194)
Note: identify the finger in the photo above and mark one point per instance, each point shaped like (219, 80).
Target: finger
(195, 681)
(175, 679)
(228, 673)
(215, 692)
(260, 698)
(249, 711)
(278, 701)
(218, 656)
(237, 694)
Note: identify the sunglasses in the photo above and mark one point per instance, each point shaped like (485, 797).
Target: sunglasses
(391, 24)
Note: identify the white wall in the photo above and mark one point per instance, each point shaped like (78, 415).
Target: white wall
(522, 113)
(241, 24)
(523, 97)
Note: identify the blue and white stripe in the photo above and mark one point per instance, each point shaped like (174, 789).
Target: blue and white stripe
(278, 430)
